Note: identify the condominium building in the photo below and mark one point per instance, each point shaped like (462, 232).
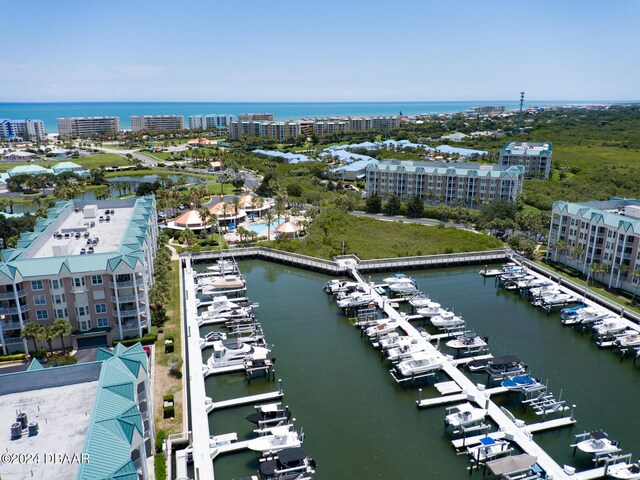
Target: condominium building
(487, 109)
(87, 126)
(599, 232)
(210, 122)
(89, 420)
(533, 156)
(331, 126)
(157, 123)
(29, 129)
(88, 263)
(256, 117)
(464, 183)
(277, 130)
(328, 125)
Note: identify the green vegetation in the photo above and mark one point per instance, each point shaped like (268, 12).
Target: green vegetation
(160, 466)
(392, 239)
(18, 357)
(103, 160)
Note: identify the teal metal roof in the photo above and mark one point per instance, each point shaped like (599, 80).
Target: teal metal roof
(530, 149)
(28, 170)
(35, 365)
(608, 218)
(452, 169)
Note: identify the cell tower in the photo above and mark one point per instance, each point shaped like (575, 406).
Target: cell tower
(521, 104)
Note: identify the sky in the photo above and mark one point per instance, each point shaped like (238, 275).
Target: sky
(348, 50)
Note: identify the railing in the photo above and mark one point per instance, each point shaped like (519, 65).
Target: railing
(12, 340)
(432, 260)
(13, 310)
(124, 299)
(11, 295)
(10, 326)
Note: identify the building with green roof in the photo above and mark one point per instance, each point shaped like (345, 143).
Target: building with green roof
(89, 263)
(535, 157)
(604, 233)
(99, 414)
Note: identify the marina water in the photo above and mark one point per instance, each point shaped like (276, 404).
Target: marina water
(359, 424)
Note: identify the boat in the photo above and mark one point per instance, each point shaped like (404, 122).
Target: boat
(381, 327)
(624, 471)
(488, 449)
(280, 437)
(220, 284)
(356, 299)
(504, 366)
(336, 286)
(586, 316)
(401, 352)
(543, 290)
(397, 278)
(571, 311)
(468, 341)
(418, 364)
(490, 272)
(271, 413)
(609, 326)
(396, 340)
(287, 464)
(631, 340)
(403, 287)
(523, 383)
(420, 301)
(597, 442)
(231, 352)
(224, 267)
(430, 310)
(215, 336)
(464, 415)
(555, 298)
(447, 320)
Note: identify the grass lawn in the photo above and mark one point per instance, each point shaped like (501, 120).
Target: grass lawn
(102, 160)
(216, 188)
(370, 238)
(116, 146)
(160, 156)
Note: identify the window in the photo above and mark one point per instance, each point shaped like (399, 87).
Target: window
(101, 308)
(59, 299)
(78, 282)
(84, 325)
(96, 279)
(102, 322)
(39, 300)
(42, 314)
(37, 285)
(81, 311)
(55, 284)
(62, 313)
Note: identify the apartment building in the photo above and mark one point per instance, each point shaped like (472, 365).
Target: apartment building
(277, 130)
(464, 183)
(87, 126)
(535, 157)
(599, 232)
(485, 109)
(328, 125)
(28, 129)
(256, 117)
(157, 123)
(88, 263)
(210, 121)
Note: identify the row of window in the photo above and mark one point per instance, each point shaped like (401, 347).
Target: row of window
(56, 284)
(64, 313)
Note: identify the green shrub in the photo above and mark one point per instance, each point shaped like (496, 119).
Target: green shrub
(168, 412)
(161, 436)
(18, 357)
(160, 466)
(148, 339)
(63, 359)
(168, 397)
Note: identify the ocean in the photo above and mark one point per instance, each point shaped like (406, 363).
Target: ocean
(48, 112)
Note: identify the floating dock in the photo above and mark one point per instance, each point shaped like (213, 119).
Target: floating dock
(235, 402)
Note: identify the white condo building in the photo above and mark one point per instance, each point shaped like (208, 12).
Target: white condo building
(29, 129)
(210, 121)
(158, 123)
(87, 126)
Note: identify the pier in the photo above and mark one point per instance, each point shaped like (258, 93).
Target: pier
(235, 402)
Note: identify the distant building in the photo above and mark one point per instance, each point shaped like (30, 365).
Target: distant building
(277, 130)
(89, 263)
(487, 109)
(464, 183)
(353, 171)
(29, 129)
(535, 157)
(323, 126)
(210, 122)
(19, 156)
(88, 126)
(256, 117)
(454, 137)
(88, 420)
(599, 232)
(157, 123)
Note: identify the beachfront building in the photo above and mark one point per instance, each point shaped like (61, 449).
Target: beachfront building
(157, 123)
(462, 183)
(277, 130)
(486, 109)
(605, 234)
(27, 129)
(88, 263)
(328, 125)
(210, 121)
(87, 126)
(88, 420)
(535, 157)
(256, 117)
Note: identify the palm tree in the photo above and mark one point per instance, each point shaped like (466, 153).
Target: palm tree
(33, 331)
(63, 328)
(225, 209)
(236, 205)
(257, 203)
(578, 251)
(49, 332)
(636, 279)
(204, 215)
(269, 217)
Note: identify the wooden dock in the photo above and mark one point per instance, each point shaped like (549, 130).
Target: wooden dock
(251, 399)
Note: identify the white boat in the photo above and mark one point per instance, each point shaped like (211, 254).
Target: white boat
(469, 341)
(631, 340)
(281, 437)
(430, 310)
(215, 336)
(543, 290)
(591, 314)
(404, 351)
(336, 286)
(609, 327)
(490, 272)
(556, 298)
(214, 285)
(397, 278)
(355, 299)
(419, 364)
(381, 327)
(624, 471)
(597, 442)
(447, 320)
(395, 341)
(463, 415)
(420, 301)
(403, 287)
(488, 449)
(231, 352)
(507, 365)
(287, 464)
(224, 267)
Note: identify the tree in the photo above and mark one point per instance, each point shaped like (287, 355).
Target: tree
(204, 215)
(392, 207)
(33, 331)
(97, 176)
(415, 208)
(62, 328)
(49, 332)
(374, 204)
(102, 193)
(269, 217)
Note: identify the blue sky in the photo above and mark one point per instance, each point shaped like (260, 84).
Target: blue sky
(283, 50)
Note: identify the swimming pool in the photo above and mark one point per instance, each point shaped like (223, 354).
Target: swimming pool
(260, 229)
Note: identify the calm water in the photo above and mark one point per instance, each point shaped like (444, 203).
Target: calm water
(360, 425)
(49, 112)
(261, 228)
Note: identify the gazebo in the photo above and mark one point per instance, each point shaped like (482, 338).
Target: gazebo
(230, 216)
(288, 230)
(190, 220)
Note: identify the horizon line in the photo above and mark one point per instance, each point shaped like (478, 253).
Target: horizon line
(319, 102)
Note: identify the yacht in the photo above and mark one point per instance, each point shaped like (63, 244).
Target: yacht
(231, 352)
(430, 310)
(447, 320)
(381, 327)
(407, 286)
(287, 464)
(488, 449)
(217, 285)
(269, 414)
(420, 301)
(468, 341)
(336, 286)
(586, 316)
(396, 340)
(631, 340)
(224, 267)
(464, 415)
(397, 278)
(418, 364)
(624, 471)
(280, 437)
(404, 351)
(596, 443)
(356, 299)
(609, 326)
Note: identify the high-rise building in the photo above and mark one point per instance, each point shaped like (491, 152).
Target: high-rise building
(157, 123)
(88, 263)
(87, 126)
(487, 109)
(210, 122)
(256, 117)
(29, 129)
(535, 157)
(278, 130)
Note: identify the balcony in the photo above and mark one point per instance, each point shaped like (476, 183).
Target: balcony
(10, 326)
(124, 299)
(130, 313)
(13, 310)
(12, 340)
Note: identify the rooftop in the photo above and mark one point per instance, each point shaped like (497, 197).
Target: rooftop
(463, 169)
(527, 148)
(616, 212)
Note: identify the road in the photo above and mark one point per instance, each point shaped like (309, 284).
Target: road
(141, 157)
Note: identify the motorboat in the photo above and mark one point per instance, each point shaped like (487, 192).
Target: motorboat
(543, 290)
(609, 326)
(490, 272)
(631, 340)
(571, 311)
(336, 286)
(507, 365)
(430, 310)
(381, 327)
(224, 267)
(395, 341)
(468, 341)
(269, 414)
(216, 285)
(488, 449)
(404, 351)
(534, 283)
(231, 352)
(596, 443)
(464, 415)
(418, 364)
(555, 298)
(403, 287)
(586, 316)
(356, 299)
(523, 383)
(420, 301)
(447, 320)
(279, 438)
(624, 471)
(287, 464)
(397, 278)
(215, 336)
